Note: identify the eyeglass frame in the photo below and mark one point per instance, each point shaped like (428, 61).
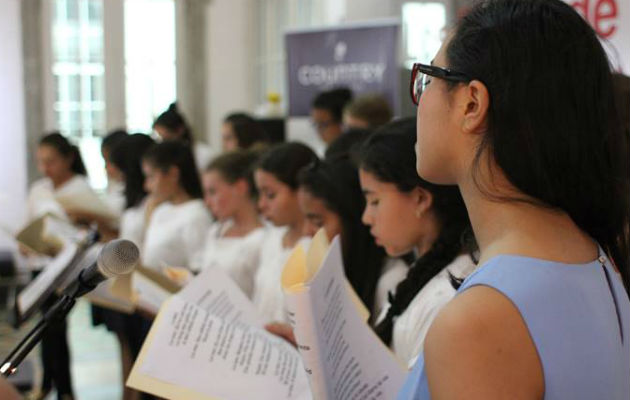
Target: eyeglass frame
(433, 71)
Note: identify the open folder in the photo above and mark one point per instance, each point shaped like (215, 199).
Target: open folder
(46, 235)
(86, 202)
(208, 342)
(144, 289)
(342, 355)
(48, 281)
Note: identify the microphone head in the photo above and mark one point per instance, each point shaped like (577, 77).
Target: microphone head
(118, 257)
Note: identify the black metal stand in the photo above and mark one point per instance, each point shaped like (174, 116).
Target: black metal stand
(57, 312)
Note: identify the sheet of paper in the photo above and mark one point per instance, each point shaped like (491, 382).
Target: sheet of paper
(121, 288)
(101, 296)
(86, 201)
(148, 295)
(303, 264)
(44, 283)
(352, 361)
(85, 259)
(214, 334)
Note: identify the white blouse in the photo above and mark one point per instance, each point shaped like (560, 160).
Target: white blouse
(175, 235)
(239, 257)
(410, 327)
(268, 295)
(394, 271)
(41, 196)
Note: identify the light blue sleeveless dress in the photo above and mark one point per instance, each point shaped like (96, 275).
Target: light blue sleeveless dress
(578, 317)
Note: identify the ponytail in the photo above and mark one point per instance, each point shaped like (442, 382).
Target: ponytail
(173, 120)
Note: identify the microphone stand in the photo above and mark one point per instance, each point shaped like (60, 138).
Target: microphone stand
(57, 312)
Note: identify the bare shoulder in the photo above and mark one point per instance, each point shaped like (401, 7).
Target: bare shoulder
(479, 347)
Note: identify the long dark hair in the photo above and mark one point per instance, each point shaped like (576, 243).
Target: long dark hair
(248, 131)
(552, 121)
(336, 183)
(389, 155)
(175, 154)
(66, 149)
(127, 157)
(174, 121)
(237, 165)
(285, 161)
(112, 139)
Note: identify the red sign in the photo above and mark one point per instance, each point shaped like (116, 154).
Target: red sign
(601, 14)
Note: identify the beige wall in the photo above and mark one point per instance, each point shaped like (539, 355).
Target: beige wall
(230, 69)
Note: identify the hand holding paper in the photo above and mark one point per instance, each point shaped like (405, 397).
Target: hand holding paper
(341, 353)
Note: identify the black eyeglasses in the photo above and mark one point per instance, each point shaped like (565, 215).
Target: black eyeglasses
(421, 76)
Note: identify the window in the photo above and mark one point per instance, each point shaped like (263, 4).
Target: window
(423, 27)
(78, 67)
(149, 61)
(76, 84)
(78, 76)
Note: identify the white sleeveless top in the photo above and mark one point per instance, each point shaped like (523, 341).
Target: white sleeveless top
(239, 257)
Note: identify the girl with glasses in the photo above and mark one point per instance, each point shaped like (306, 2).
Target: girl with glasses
(532, 139)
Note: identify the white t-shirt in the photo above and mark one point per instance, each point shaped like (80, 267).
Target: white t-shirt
(175, 234)
(268, 296)
(410, 327)
(133, 224)
(41, 196)
(237, 256)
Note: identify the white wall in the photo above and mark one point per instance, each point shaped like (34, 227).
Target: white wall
(13, 134)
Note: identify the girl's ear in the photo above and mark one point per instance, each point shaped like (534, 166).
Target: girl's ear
(477, 102)
(423, 199)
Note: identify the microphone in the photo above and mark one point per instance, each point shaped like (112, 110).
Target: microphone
(118, 257)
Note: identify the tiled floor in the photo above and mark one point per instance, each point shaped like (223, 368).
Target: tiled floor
(94, 352)
(95, 357)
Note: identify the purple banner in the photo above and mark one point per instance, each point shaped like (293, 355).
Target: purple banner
(360, 58)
